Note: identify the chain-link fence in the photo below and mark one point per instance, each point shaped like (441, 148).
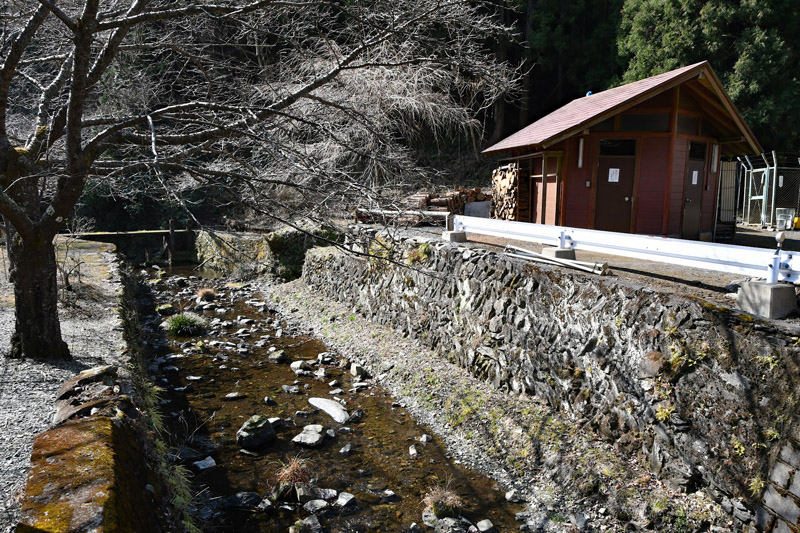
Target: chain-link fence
(787, 197)
(772, 196)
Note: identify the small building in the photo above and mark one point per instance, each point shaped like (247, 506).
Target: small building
(640, 158)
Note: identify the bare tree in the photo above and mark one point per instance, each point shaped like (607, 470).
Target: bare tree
(283, 102)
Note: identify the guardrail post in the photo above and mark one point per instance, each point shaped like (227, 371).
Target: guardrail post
(451, 233)
(774, 269)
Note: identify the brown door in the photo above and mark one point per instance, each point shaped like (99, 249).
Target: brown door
(693, 191)
(615, 175)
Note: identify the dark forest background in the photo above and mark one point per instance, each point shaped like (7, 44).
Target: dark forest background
(569, 48)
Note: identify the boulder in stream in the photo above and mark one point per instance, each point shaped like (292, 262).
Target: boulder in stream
(301, 368)
(242, 500)
(278, 356)
(345, 499)
(331, 408)
(311, 436)
(311, 525)
(358, 371)
(315, 506)
(485, 526)
(255, 432)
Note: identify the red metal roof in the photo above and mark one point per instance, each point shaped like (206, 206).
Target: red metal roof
(585, 112)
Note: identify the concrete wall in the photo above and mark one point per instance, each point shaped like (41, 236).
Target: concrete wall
(705, 397)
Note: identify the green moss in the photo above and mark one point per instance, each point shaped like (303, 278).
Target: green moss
(420, 255)
(737, 446)
(711, 307)
(55, 516)
(756, 486)
(663, 413)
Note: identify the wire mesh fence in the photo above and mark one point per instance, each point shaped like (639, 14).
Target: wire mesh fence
(787, 197)
(774, 197)
(772, 191)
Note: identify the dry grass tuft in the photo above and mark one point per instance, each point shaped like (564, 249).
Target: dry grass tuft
(206, 294)
(443, 501)
(296, 470)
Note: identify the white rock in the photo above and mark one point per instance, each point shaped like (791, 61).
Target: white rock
(315, 506)
(358, 370)
(299, 366)
(345, 499)
(332, 408)
(208, 462)
(485, 526)
(311, 436)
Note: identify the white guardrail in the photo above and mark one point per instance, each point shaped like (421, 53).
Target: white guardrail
(753, 262)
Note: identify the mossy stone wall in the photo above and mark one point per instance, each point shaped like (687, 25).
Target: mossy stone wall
(278, 254)
(704, 396)
(87, 475)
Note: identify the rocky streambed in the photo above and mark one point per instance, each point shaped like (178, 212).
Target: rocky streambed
(279, 432)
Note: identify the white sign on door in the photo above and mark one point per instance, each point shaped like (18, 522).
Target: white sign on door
(613, 175)
(694, 177)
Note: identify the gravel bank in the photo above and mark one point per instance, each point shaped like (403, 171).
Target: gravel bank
(92, 329)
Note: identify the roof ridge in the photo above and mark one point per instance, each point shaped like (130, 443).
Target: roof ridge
(582, 112)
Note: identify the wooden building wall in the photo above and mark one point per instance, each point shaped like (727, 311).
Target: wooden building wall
(578, 196)
(680, 156)
(658, 199)
(709, 213)
(652, 174)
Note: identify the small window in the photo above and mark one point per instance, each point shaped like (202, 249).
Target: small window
(606, 125)
(697, 151)
(617, 147)
(687, 124)
(644, 123)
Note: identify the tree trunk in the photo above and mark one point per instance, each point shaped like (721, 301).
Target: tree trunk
(37, 332)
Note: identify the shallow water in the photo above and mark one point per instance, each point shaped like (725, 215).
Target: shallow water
(203, 423)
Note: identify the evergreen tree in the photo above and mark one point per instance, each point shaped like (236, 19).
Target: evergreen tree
(573, 48)
(753, 46)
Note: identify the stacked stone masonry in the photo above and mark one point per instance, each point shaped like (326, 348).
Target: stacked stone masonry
(704, 396)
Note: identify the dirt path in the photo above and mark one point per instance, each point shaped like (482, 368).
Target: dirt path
(92, 329)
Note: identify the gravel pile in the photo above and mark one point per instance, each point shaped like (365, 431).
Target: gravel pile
(91, 327)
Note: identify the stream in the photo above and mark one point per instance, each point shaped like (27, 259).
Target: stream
(370, 473)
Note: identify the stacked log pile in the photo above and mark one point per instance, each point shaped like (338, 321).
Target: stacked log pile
(450, 201)
(505, 185)
(424, 206)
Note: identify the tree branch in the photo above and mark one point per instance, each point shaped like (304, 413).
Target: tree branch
(14, 214)
(9, 68)
(63, 17)
(194, 10)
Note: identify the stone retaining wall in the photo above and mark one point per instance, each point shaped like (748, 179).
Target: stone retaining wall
(278, 254)
(704, 396)
(88, 474)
